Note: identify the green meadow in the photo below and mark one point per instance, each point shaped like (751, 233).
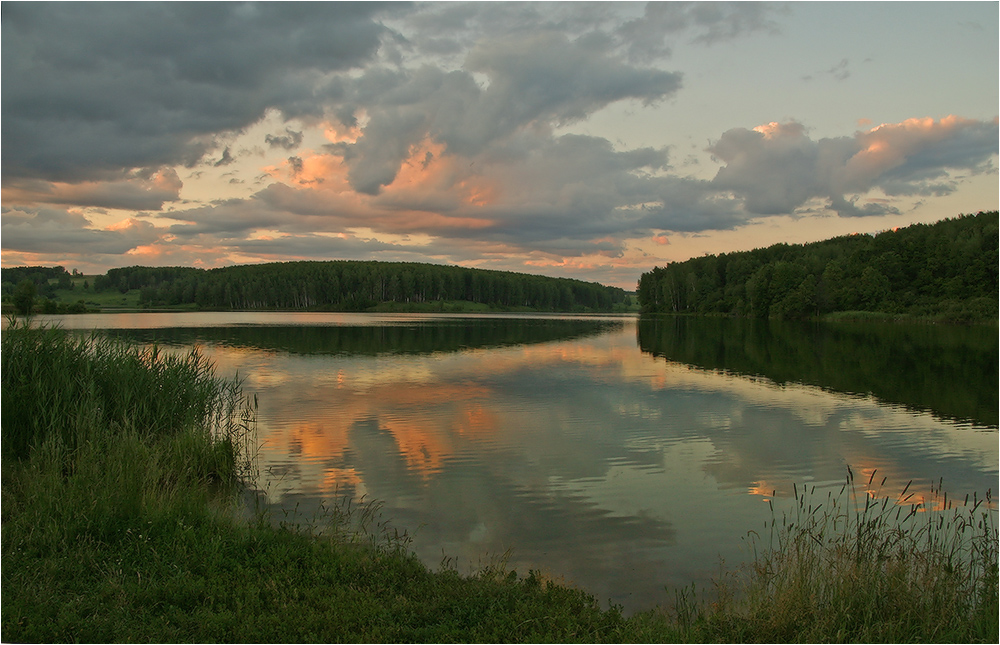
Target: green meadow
(128, 515)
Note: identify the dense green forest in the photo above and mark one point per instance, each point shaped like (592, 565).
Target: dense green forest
(946, 270)
(333, 286)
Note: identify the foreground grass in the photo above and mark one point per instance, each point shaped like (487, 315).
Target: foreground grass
(122, 468)
(860, 566)
(199, 580)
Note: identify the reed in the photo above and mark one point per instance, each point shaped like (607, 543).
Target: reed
(62, 391)
(862, 566)
(97, 434)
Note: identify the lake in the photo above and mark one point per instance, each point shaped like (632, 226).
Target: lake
(622, 455)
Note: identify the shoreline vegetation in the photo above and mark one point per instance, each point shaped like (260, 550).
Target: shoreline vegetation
(332, 286)
(942, 272)
(125, 469)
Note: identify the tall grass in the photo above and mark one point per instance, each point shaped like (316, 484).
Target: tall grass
(861, 566)
(98, 434)
(69, 390)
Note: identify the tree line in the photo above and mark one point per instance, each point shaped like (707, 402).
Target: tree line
(22, 285)
(946, 270)
(40, 277)
(354, 286)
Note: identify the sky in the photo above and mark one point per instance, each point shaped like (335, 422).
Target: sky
(574, 139)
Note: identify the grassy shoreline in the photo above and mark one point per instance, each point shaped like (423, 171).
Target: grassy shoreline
(123, 467)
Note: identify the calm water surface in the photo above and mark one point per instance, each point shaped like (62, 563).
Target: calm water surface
(619, 455)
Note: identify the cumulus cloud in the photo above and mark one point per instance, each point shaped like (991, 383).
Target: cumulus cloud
(434, 131)
(92, 88)
(535, 82)
(776, 168)
(555, 194)
(576, 196)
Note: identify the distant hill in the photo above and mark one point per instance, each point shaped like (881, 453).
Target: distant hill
(945, 271)
(338, 286)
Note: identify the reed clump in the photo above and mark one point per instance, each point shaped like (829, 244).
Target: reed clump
(860, 566)
(104, 445)
(61, 392)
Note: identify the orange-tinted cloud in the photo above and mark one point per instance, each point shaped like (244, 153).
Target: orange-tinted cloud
(890, 145)
(135, 192)
(777, 168)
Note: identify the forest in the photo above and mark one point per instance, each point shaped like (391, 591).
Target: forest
(945, 271)
(335, 286)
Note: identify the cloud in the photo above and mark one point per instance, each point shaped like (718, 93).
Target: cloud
(533, 82)
(636, 31)
(549, 200)
(289, 141)
(136, 191)
(60, 231)
(91, 89)
(840, 72)
(546, 76)
(231, 219)
(918, 149)
(309, 246)
(707, 23)
(776, 168)
(547, 194)
(225, 160)
(443, 132)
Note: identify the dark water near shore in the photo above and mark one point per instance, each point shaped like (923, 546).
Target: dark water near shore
(620, 455)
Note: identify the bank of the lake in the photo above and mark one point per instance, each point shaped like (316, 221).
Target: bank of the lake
(123, 469)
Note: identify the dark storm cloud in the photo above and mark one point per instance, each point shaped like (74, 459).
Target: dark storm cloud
(547, 76)
(277, 207)
(572, 187)
(295, 164)
(93, 88)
